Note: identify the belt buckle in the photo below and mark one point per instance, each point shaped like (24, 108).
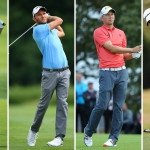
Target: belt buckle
(112, 69)
(50, 69)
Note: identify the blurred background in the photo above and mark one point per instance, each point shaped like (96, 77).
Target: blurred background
(3, 77)
(146, 78)
(3, 51)
(25, 67)
(128, 19)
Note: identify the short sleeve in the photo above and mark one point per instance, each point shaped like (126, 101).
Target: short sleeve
(124, 41)
(55, 31)
(41, 31)
(100, 36)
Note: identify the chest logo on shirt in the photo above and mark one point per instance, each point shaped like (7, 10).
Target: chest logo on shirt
(120, 35)
(108, 35)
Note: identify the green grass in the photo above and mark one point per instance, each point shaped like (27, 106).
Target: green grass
(3, 77)
(3, 124)
(146, 143)
(3, 52)
(146, 121)
(22, 94)
(3, 7)
(21, 118)
(126, 142)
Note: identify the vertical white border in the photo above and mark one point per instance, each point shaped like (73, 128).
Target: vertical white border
(142, 75)
(7, 74)
(74, 74)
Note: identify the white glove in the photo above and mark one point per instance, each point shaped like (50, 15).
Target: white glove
(2, 24)
(136, 55)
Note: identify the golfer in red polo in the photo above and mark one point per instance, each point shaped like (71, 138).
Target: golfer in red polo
(111, 50)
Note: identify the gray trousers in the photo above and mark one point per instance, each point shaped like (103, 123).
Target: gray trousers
(110, 81)
(51, 81)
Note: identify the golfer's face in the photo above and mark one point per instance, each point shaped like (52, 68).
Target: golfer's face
(41, 17)
(108, 18)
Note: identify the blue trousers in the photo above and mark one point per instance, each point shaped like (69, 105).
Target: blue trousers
(110, 81)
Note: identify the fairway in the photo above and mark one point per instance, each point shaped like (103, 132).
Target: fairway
(3, 124)
(21, 118)
(126, 142)
(3, 78)
(146, 118)
(3, 55)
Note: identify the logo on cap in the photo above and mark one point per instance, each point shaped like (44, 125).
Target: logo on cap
(105, 10)
(37, 8)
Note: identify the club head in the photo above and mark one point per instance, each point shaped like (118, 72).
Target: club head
(48, 13)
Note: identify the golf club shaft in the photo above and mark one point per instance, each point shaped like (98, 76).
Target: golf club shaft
(22, 35)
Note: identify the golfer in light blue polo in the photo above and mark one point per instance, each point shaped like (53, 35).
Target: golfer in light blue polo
(55, 75)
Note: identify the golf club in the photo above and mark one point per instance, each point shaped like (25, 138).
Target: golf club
(22, 34)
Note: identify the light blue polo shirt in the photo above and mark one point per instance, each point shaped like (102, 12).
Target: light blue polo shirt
(50, 46)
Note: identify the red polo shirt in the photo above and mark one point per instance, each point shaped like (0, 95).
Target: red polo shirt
(117, 38)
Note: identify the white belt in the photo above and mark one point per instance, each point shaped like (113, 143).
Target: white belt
(113, 69)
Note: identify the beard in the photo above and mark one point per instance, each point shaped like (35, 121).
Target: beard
(41, 21)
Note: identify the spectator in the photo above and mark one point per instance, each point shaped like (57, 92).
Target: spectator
(137, 123)
(80, 103)
(90, 100)
(127, 119)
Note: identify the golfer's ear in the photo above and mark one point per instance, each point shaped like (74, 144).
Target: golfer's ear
(34, 19)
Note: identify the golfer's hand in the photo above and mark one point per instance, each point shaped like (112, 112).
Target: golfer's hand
(136, 55)
(136, 49)
(2, 24)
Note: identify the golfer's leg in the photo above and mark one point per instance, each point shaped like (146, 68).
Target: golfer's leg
(119, 95)
(106, 87)
(62, 105)
(48, 84)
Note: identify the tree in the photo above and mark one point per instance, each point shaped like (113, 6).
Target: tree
(128, 18)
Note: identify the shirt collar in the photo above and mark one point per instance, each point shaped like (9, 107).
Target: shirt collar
(108, 28)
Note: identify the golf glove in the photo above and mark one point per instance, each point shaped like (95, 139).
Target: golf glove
(2, 24)
(136, 55)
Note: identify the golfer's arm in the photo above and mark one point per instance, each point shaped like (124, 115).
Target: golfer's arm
(115, 49)
(54, 22)
(127, 56)
(60, 31)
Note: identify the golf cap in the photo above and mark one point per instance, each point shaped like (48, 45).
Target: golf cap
(105, 10)
(90, 83)
(147, 15)
(37, 8)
